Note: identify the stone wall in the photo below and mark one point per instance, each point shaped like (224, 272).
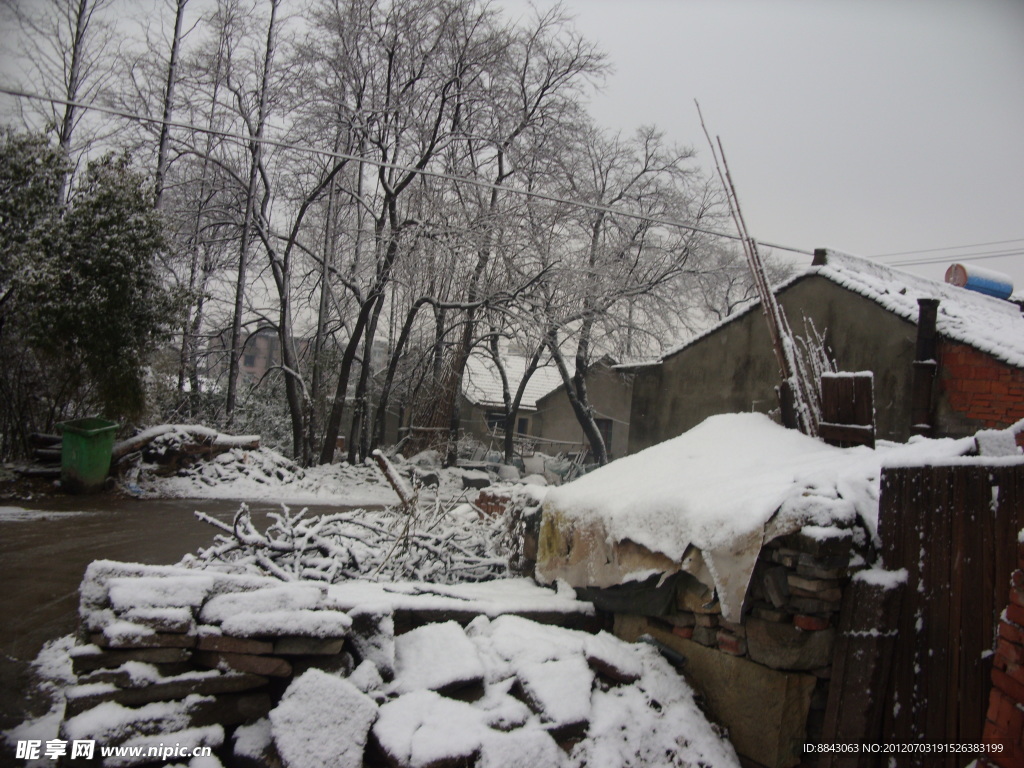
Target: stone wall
(173, 656)
(766, 677)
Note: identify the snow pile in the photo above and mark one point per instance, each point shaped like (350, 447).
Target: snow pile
(723, 488)
(499, 694)
(265, 475)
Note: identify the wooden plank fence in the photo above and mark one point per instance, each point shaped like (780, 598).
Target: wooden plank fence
(847, 409)
(912, 664)
(954, 529)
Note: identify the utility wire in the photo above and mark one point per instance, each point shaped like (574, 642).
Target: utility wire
(948, 248)
(383, 164)
(961, 257)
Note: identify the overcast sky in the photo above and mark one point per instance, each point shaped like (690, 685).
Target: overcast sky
(869, 126)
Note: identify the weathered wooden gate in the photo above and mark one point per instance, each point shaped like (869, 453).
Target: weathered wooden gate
(954, 529)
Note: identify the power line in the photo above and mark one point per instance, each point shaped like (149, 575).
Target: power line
(124, 114)
(948, 248)
(962, 257)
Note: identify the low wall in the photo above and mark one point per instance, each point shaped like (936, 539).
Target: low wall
(168, 655)
(766, 677)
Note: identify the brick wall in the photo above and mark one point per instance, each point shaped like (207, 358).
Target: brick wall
(1005, 723)
(979, 390)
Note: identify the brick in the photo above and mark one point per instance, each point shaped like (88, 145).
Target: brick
(1015, 613)
(807, 605)
(155, 640)
(681, 619)
(1008, 685)
(227, 644)
(1010, 651)
(268, 666)
(83, 660)
(731, 644)
(1004, 713)
(769, 613)
(810, 623)
(684, 632)
(79, 699)
(831, 595)
(811, 585)
(776, 585)
(308, 646)
(1010, 632)
(706, 620)
(731, 626)
(706, 636)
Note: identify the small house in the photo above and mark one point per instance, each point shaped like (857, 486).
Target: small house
(946, 361)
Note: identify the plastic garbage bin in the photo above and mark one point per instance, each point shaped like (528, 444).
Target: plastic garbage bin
(85, 453)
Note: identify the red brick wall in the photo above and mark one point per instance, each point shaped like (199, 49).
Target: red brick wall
(1005, 723)
(979, 390)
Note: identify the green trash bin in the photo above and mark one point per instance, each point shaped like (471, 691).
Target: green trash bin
(85, 453)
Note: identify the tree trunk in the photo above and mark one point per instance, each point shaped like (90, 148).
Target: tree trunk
(67, 125)
(250, 201)
(165, 128)
(580, 404)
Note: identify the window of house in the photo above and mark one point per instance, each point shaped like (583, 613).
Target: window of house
(249, 361)
(523, 427)
(495, 420)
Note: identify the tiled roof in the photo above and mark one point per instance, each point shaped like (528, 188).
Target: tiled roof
(990, 325)
(481, 383)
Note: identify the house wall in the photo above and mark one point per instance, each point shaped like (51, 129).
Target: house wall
(976, 391)
(733, 369)
(611, 395)
(473, 420)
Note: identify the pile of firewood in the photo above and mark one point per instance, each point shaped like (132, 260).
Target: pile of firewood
(170, 448)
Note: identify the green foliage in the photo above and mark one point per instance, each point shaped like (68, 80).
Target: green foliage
(83, 301)
(100, 305)
(31, 172)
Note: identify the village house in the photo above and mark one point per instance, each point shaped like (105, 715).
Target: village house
(546, 420)
(946, 361)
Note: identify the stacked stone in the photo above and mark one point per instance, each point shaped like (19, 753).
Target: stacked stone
(790, 614)
(184, 657)
(1005, 723)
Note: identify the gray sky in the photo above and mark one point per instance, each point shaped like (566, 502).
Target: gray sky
(869, 126)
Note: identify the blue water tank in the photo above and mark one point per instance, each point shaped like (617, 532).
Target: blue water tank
(981, 280)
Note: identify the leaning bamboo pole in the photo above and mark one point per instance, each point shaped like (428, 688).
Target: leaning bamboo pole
(783, 340)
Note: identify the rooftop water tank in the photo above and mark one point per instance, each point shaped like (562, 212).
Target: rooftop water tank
(979, 279)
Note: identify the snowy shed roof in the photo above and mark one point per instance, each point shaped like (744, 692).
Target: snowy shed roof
(706, 501)
(481, 384)
(990, 325)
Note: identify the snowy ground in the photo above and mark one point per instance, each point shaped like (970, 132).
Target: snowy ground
(265, 475)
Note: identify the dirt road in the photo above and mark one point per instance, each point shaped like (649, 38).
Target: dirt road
(45, 549)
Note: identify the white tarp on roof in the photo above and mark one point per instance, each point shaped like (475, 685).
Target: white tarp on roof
(717, 488)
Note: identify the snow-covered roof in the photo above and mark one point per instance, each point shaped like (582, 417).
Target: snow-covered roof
(706, 501)
(481, 384)
(990, 325)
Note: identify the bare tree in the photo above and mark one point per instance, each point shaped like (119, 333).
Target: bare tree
(65, 48)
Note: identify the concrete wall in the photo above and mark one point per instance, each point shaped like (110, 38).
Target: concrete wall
(611, 395)
(733, 369)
